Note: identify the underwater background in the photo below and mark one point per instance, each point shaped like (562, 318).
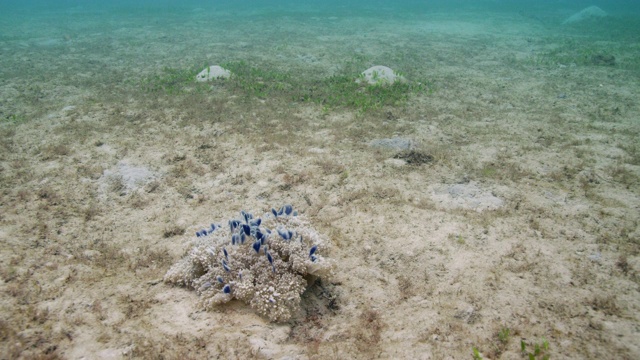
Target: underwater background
(485, 205)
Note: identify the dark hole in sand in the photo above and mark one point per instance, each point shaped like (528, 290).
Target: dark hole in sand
(414, 157)
(603, 60)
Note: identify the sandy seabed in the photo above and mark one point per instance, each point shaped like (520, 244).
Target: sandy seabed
(523, 226)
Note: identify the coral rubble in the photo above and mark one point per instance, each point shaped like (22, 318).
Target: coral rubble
(264, 262)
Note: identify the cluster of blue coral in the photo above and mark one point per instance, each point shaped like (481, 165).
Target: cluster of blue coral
(249, 227)
(262, 261)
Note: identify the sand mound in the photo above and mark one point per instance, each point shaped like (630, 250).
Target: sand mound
(592, 12)
(396, 143)
(125, 178)
(466, 196)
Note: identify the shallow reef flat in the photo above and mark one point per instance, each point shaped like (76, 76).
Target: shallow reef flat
(484, 207)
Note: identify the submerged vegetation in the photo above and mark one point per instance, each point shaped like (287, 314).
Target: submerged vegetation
(343, 91)
(579, 52)
(258, 82)
(337, 91)
(170, 80)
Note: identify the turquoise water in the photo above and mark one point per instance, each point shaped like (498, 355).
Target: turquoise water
(129, 39)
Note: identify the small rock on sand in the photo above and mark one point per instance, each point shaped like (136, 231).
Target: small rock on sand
(213, 72)
(379, 75)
